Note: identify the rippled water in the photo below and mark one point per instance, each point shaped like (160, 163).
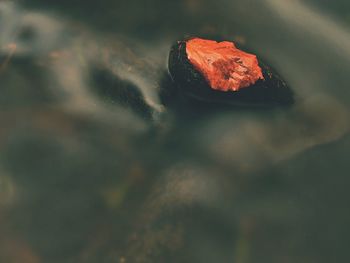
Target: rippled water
(95, 166)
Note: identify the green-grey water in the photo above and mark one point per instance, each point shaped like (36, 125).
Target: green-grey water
(95, 166)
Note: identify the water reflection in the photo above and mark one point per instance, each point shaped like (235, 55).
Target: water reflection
(94, 168)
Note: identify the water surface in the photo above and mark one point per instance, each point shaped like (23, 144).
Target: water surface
(95, 166)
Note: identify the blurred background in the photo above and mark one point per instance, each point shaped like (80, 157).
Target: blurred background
(96, 166)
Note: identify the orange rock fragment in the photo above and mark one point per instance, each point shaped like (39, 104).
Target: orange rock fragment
(224, 66)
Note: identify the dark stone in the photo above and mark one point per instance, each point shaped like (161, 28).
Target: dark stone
(273, 91)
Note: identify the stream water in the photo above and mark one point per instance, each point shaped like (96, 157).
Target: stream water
(95, 166)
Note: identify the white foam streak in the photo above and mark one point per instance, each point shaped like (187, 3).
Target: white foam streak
(313, 22)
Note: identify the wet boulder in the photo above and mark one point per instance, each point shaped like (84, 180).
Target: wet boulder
(219, 72)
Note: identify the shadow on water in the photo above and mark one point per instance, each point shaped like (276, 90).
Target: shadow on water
(98, 164)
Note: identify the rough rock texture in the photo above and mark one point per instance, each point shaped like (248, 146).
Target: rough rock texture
(260, 86)
(224, 66)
